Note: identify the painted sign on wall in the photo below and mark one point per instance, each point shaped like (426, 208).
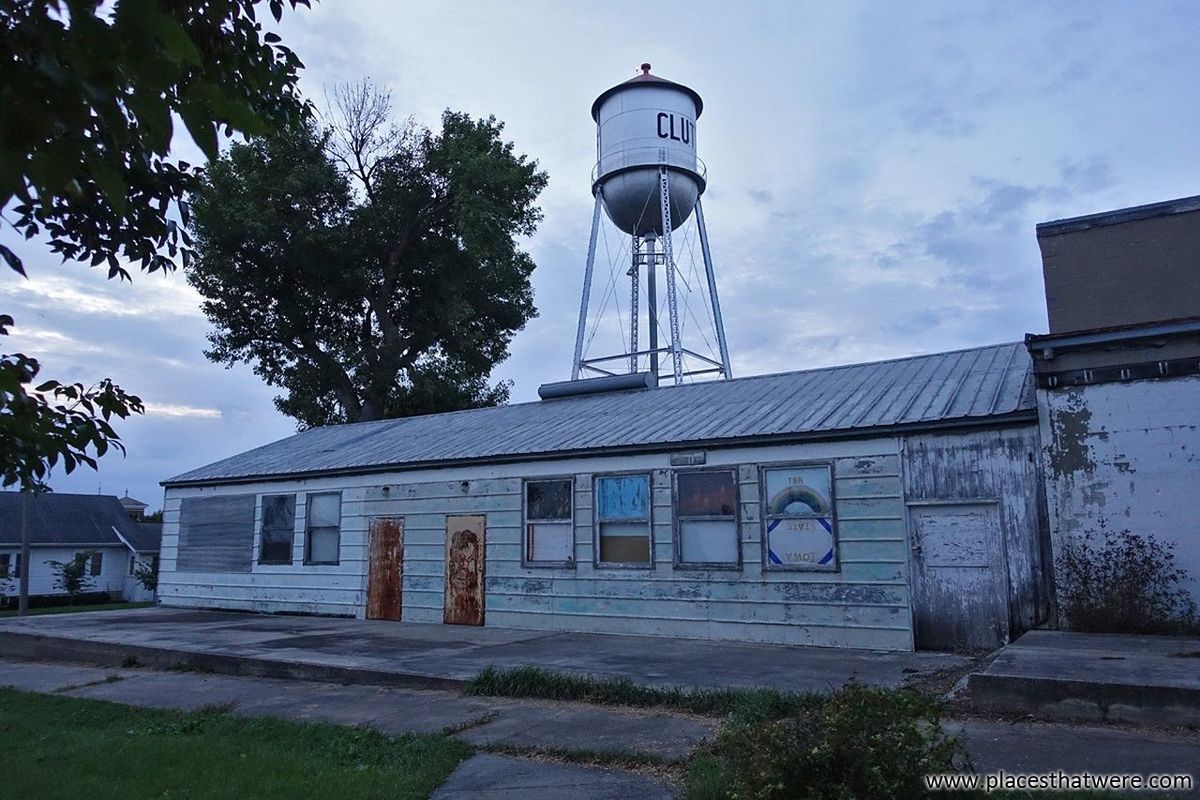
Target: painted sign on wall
(799, 514)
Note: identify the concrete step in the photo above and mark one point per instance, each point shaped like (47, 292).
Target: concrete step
(1058, 675)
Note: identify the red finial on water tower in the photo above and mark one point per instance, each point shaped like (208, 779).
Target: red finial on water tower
(646, 68)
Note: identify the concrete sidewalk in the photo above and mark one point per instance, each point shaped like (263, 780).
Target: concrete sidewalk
(1092, 677)
(440, 656)
(481, 721)
(491, 723)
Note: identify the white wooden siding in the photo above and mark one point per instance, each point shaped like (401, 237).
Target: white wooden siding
(113, 569)
(865, 603)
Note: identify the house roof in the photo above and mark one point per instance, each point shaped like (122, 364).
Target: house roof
(147, 537)
(66, 519)
(961, 387)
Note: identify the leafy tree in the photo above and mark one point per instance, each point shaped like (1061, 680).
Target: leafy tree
(369, 270)
(6, 580)
(73, 576)
(146, 573)
(156, 516)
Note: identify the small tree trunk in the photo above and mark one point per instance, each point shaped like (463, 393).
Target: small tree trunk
(23, 591)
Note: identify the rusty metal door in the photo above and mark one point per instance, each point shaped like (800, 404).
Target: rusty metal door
(464, 570)
(386, 575)
(960, 576)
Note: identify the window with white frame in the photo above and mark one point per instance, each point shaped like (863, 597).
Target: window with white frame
(322, 531)
(278, 529)
(798, 518)
(706, 529)
(623, 520)
(549, 528)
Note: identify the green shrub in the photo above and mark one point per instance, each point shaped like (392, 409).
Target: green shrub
(860, 743)
(1123, 583)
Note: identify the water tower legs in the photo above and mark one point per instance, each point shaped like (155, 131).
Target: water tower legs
(634, 281)
(647, 250)
(587, 291)
(664, 188)
(718, 321)
(652, 302)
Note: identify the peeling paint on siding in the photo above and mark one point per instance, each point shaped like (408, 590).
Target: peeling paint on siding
(1122, 457)
(1000, 465)
(1070, 425)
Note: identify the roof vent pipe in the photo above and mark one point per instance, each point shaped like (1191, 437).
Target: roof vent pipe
(605, 383)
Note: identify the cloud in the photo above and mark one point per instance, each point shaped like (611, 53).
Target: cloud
(176, 410)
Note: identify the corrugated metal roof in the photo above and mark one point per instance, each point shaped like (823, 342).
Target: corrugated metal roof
(66, 519)
(857, 399)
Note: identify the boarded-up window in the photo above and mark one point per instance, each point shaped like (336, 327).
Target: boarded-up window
(549, 532)
(278, 528)
(623, 518)
(97, 562)
(798, 516)
(706, 518)
(216, 534)
(323, 528)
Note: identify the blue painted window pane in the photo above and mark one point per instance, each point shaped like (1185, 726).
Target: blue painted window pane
(623, 497)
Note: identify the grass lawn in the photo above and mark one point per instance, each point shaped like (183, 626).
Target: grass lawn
(64, 747)
(33, 612)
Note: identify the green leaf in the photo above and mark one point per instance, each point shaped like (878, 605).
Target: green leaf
(10, 258)
(176, 43)
(111, 183)
(201, 128)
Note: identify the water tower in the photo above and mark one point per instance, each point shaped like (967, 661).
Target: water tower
(649, 180)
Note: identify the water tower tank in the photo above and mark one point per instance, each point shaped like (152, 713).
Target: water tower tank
(643, 124)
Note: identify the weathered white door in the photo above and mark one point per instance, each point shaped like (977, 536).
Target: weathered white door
(960, 576)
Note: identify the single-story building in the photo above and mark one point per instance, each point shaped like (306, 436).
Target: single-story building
(61, 525)
(888, 505)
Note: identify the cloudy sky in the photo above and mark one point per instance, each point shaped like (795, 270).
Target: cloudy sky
(876, 172)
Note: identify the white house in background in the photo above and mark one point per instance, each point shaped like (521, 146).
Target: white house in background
(62, 525)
